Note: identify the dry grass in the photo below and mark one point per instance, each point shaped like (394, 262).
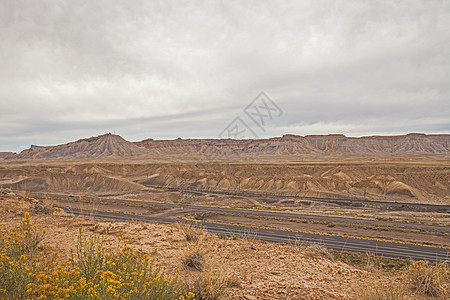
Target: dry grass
(383, 293)
(317, 250)
(193, 256)
(432, 279)
(425, 279)
(191, 233)
(4, 191)
(372, 262)
(209, 281)
(211, 284)
(194, 259)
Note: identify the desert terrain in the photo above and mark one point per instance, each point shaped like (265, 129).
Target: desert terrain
(252, 269)
(402, 179)
(392, 189)
(411, 168)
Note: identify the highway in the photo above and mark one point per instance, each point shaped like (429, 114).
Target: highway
(388, 249)
(203, 209)
(342, 201)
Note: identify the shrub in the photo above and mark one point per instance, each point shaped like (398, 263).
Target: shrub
(92, 272)
(89, 256)
(190, 233)
(5, 191)
(211, 284)
(222, 236)
(432, 279)
(372, 262)
(317, 249)
(194, 258)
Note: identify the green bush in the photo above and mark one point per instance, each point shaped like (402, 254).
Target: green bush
(93, 272)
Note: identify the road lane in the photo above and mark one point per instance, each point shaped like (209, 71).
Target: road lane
(202, 209)
(382, 248)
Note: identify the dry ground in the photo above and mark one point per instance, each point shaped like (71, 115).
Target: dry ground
(258, 270)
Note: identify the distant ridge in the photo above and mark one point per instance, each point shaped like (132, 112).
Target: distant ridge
(110, 145)
(304, 145)
(36, 147)
(107, 145)
(4, 155)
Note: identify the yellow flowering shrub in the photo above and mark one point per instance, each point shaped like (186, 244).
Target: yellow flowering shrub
(93, 272)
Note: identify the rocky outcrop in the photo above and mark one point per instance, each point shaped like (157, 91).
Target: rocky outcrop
(4, 155)
(108, 145)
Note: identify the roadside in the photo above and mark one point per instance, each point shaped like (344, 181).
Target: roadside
(252, 269)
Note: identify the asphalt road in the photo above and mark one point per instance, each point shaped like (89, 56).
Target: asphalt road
(269, 198)
(203, 209)
(380, 248)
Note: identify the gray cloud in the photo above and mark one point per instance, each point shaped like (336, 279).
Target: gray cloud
(162, 69)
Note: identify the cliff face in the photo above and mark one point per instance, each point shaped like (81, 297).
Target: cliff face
(311, 144)
(109, 145)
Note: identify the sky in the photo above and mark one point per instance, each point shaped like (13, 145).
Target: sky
(72, 69)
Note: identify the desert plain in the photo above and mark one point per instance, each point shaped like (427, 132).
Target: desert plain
(393, 189)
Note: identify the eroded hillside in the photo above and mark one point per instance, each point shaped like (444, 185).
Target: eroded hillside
(412, 181)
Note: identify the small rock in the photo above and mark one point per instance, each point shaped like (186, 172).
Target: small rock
(250, 297)
(40, 210)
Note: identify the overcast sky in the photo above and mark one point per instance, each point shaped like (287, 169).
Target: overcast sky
(168, 69)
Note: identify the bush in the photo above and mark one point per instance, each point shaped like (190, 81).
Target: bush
(211, 284)
(92, 272)
(5, 191)
(194, 258)
(432, 279)
(190, 233)
(318, 250)
(222, 236)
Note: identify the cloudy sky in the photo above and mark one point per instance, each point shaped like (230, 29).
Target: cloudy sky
(168, 69)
